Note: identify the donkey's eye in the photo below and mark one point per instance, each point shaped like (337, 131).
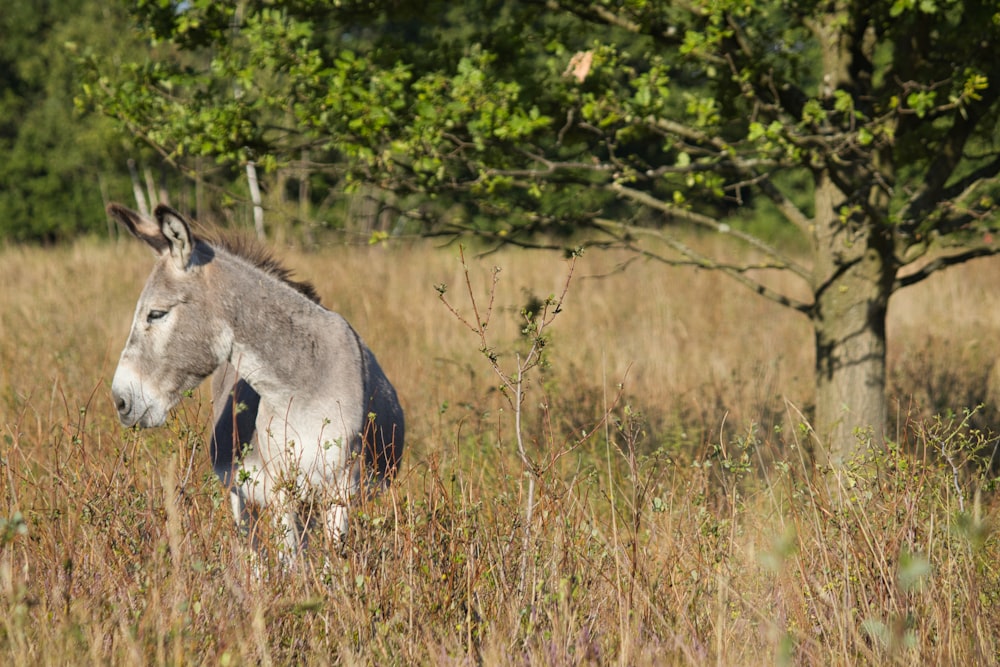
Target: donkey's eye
(155, 315)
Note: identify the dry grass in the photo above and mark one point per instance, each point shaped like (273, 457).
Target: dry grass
(688, 528)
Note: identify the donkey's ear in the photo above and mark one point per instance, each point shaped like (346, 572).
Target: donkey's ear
(142, 228)
(175, 229)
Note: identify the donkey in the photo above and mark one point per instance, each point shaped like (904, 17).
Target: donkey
(304, 416)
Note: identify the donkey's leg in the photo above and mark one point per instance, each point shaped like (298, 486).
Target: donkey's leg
(248, 491)
(289, 526)
(335, 524)
(335, 520)
(241, 512)
(245, 515)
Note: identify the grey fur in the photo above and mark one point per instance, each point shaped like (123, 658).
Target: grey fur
(302, 409)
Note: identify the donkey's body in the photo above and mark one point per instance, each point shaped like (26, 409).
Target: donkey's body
(303, 411)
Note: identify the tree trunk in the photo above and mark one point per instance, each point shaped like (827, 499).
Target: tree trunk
(853, 281)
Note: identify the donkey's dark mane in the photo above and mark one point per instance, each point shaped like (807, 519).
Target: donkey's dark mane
(263, 259)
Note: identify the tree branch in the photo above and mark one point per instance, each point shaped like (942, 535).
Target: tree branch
(670, 210)
(738, 273)
(668, 126)
(949, 156)
(786, 206)
(597, 13)
(748, 169)
(940, 263)
(963, 187)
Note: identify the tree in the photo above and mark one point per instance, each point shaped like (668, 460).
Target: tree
(868, 125)
(54, 161)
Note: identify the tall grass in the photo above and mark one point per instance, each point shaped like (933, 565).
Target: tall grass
(682, 524)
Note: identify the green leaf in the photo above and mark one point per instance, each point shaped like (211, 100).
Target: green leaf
(812, 112)
(843, 101)
(922, 102)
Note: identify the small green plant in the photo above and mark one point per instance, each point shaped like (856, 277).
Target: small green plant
(530, 355)
(514, 379)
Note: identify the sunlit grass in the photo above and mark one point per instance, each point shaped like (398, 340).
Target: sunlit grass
(689, 527)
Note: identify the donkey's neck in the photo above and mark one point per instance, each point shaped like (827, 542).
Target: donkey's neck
(288, 348)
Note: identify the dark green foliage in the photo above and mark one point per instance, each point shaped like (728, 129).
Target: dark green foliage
(55, 161)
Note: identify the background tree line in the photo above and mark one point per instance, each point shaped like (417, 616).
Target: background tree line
(63, 160)
(56, 162)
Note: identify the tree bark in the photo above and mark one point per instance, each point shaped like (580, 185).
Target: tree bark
(853, 280)
(258, 208)
(855, 263)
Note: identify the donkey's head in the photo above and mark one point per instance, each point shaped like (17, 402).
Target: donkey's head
(177, 340)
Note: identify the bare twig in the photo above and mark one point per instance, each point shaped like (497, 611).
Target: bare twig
(694, 258)
(513, 382)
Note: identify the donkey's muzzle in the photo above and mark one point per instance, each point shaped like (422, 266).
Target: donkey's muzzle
(134, 410)
(134, 407)
(124, 407)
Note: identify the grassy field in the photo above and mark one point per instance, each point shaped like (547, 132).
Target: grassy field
(677, 518)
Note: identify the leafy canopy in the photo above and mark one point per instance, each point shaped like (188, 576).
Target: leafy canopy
(554, 115)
